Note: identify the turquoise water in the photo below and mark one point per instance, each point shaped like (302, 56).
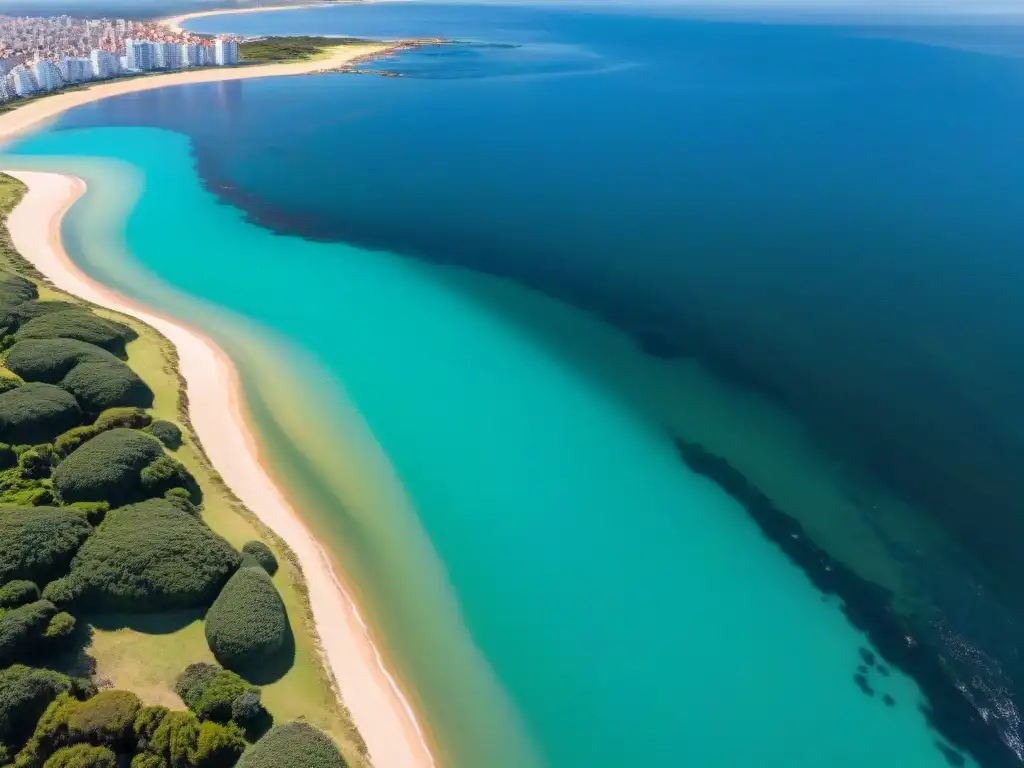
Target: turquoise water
(629, 610)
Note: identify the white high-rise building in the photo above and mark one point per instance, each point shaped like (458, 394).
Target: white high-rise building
(6, 65)
(190, 53)
(6, 92)
(75, 70)
(22, 80)
(47, 75)
(104, 64)
(123, 63)
(207, 56)
(225, 52)
(168, 55)
(141, 54)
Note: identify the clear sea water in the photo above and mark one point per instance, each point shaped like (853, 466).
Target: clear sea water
(498, 317)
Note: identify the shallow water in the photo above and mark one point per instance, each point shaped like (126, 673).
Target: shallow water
(499, 471)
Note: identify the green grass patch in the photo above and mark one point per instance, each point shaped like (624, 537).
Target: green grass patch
(298, 48)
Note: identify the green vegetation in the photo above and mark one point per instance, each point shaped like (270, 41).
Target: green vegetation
(112, 418)
(295, 745)
(25, 693)
(166, 432)
(247, 624)
(298, 48)
(82, 756)
(212, 693)
(129, 608)
(96, 378)
(39, 542)
(36, 413)
(147, 557)
(119, 466)
(21, 630)
(78, 324)
(18, 592)
(116, 721)
(15, 289)
(260, 554)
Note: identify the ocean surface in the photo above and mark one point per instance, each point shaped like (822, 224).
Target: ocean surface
(656, 380)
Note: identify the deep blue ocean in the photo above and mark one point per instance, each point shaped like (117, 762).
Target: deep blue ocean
(811, 227)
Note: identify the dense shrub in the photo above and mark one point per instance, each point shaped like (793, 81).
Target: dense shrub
(210, 691)
(247, 708)
(34, 464)
(107, 718)
(18, 592)
(25, 693)
(31, 309)
(8, 458)
(218, 746)
(150, 556)
(107, 468)
(166, 432)
(164, 474)
(146, 722)
(124, 416)
(36, 413)
(50, 360)
(21, 630)
(77, 324)
(295, 745)
(112, 418)
(176, 737)
(15, 289)
(98, 385)
(82, 756)
(60, 628)
(148, 760)
(96, 378)
(94, 511)
(261, 553)
(74, 437)
(39, 542)
(7, 383)
(247, 623)
(183, 499)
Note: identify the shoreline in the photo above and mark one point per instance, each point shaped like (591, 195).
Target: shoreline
(38, 111)
(383, 716)
(174, 22)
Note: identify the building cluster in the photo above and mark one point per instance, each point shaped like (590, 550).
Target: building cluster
(43, 54)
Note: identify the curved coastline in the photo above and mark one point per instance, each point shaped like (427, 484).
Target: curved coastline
(385, 718)
(174, 22)
(35, 113)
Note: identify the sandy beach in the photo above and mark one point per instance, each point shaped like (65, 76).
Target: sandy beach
(382, 714)
(175, 22)
(34, 113)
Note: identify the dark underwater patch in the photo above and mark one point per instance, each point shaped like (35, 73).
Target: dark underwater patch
(868, 607)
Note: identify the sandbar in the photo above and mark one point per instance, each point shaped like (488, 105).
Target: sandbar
(382, 714)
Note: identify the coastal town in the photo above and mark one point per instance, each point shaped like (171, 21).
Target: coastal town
(43, 54)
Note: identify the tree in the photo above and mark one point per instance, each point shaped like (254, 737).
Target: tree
(36, 413)
(293, 745)
(25, 693)
(247, 623)
(146, 557)
(262, 555)
(211, 692)
(39, 542)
